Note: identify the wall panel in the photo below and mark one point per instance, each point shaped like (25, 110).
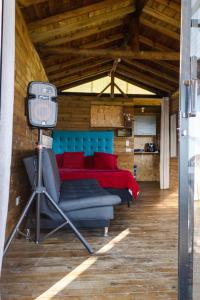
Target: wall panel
(28, 68)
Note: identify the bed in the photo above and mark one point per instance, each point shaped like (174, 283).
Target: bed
(92, 144)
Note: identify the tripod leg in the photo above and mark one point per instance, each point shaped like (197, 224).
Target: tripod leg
(77, 233)
(37, 235)
(19, 222)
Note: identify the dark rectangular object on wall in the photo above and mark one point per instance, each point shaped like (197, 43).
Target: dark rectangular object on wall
(124, 132)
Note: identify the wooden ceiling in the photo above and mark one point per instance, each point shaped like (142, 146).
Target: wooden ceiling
(79, 40)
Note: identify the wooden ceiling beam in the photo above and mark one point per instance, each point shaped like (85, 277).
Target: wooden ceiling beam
(81, 68)
(83, 33)
(92, 45)
(82, 75)
(103, 41)
(153, 44)
(27, 3)
(171, 4)
(156, 45)
(132, 27)
(148, 79)
(71, 22)
(66, 64)
(88, 10)
(82, 81)
(52, 6)
(140, 5)
(161, 16)
(149, 69)
(138, 83)
(168, 66)
(161, 29)
(112, 53)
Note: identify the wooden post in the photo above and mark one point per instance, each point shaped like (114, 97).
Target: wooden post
(112, 85)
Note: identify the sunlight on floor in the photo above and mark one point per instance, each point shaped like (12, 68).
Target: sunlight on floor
(73, 275)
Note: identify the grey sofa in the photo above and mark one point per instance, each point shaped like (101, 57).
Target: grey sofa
(84, 202)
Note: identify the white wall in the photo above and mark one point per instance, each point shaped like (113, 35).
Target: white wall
(6, 115)
(164, 144)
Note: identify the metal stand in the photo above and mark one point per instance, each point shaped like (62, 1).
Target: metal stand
(36, 195)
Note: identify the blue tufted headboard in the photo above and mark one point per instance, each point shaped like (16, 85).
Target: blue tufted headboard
(86, 141)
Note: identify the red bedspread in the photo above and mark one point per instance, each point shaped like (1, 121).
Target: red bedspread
(107, 178)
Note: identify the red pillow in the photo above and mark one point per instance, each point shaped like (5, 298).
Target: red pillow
(89, 162)
(73, 160)
(105, 161)
(59, 159)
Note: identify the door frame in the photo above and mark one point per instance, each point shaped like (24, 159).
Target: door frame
(185, 233)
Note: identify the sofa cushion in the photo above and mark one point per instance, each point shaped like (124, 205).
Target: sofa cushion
(105, 161)
(50, 174)
(89, 162)
(73, 160)
(59, 159)
(84, 193)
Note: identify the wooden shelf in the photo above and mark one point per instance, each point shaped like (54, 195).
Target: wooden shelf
(146, 135)
(146, 153)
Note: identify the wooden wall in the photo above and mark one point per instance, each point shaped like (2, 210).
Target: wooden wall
(174, 108)
(148, 165)
(28, 67)
(74, 113)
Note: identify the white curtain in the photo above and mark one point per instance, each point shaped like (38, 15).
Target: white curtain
(6, 112)
(164, 144)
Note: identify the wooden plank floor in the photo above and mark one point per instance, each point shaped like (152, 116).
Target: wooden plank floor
(137, 261)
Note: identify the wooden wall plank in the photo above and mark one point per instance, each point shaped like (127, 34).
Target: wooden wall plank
(28, 68)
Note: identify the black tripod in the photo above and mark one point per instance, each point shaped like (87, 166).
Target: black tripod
(36, 195)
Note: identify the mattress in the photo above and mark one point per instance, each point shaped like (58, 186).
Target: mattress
(119, 179)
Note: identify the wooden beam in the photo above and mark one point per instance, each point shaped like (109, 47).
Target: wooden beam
(161, 16)
(133, 26)
(81, 68)
(94, 44)
(82, 75)
(146, 102)
(140, 5)
(82, 81)
(153, 44)
(161, 29)
(103, 41)
(66, 64)
(148, 79)
(139, 83)
(90, 11)
(113, 53)
(27, 3)
(171, 4)
(52, 6)
(170, 67)
(134, 29)
(126, 101)
(81, 18)
(149, 69)
(83, 33)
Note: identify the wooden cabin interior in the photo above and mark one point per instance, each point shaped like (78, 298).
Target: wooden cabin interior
(92, 51)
